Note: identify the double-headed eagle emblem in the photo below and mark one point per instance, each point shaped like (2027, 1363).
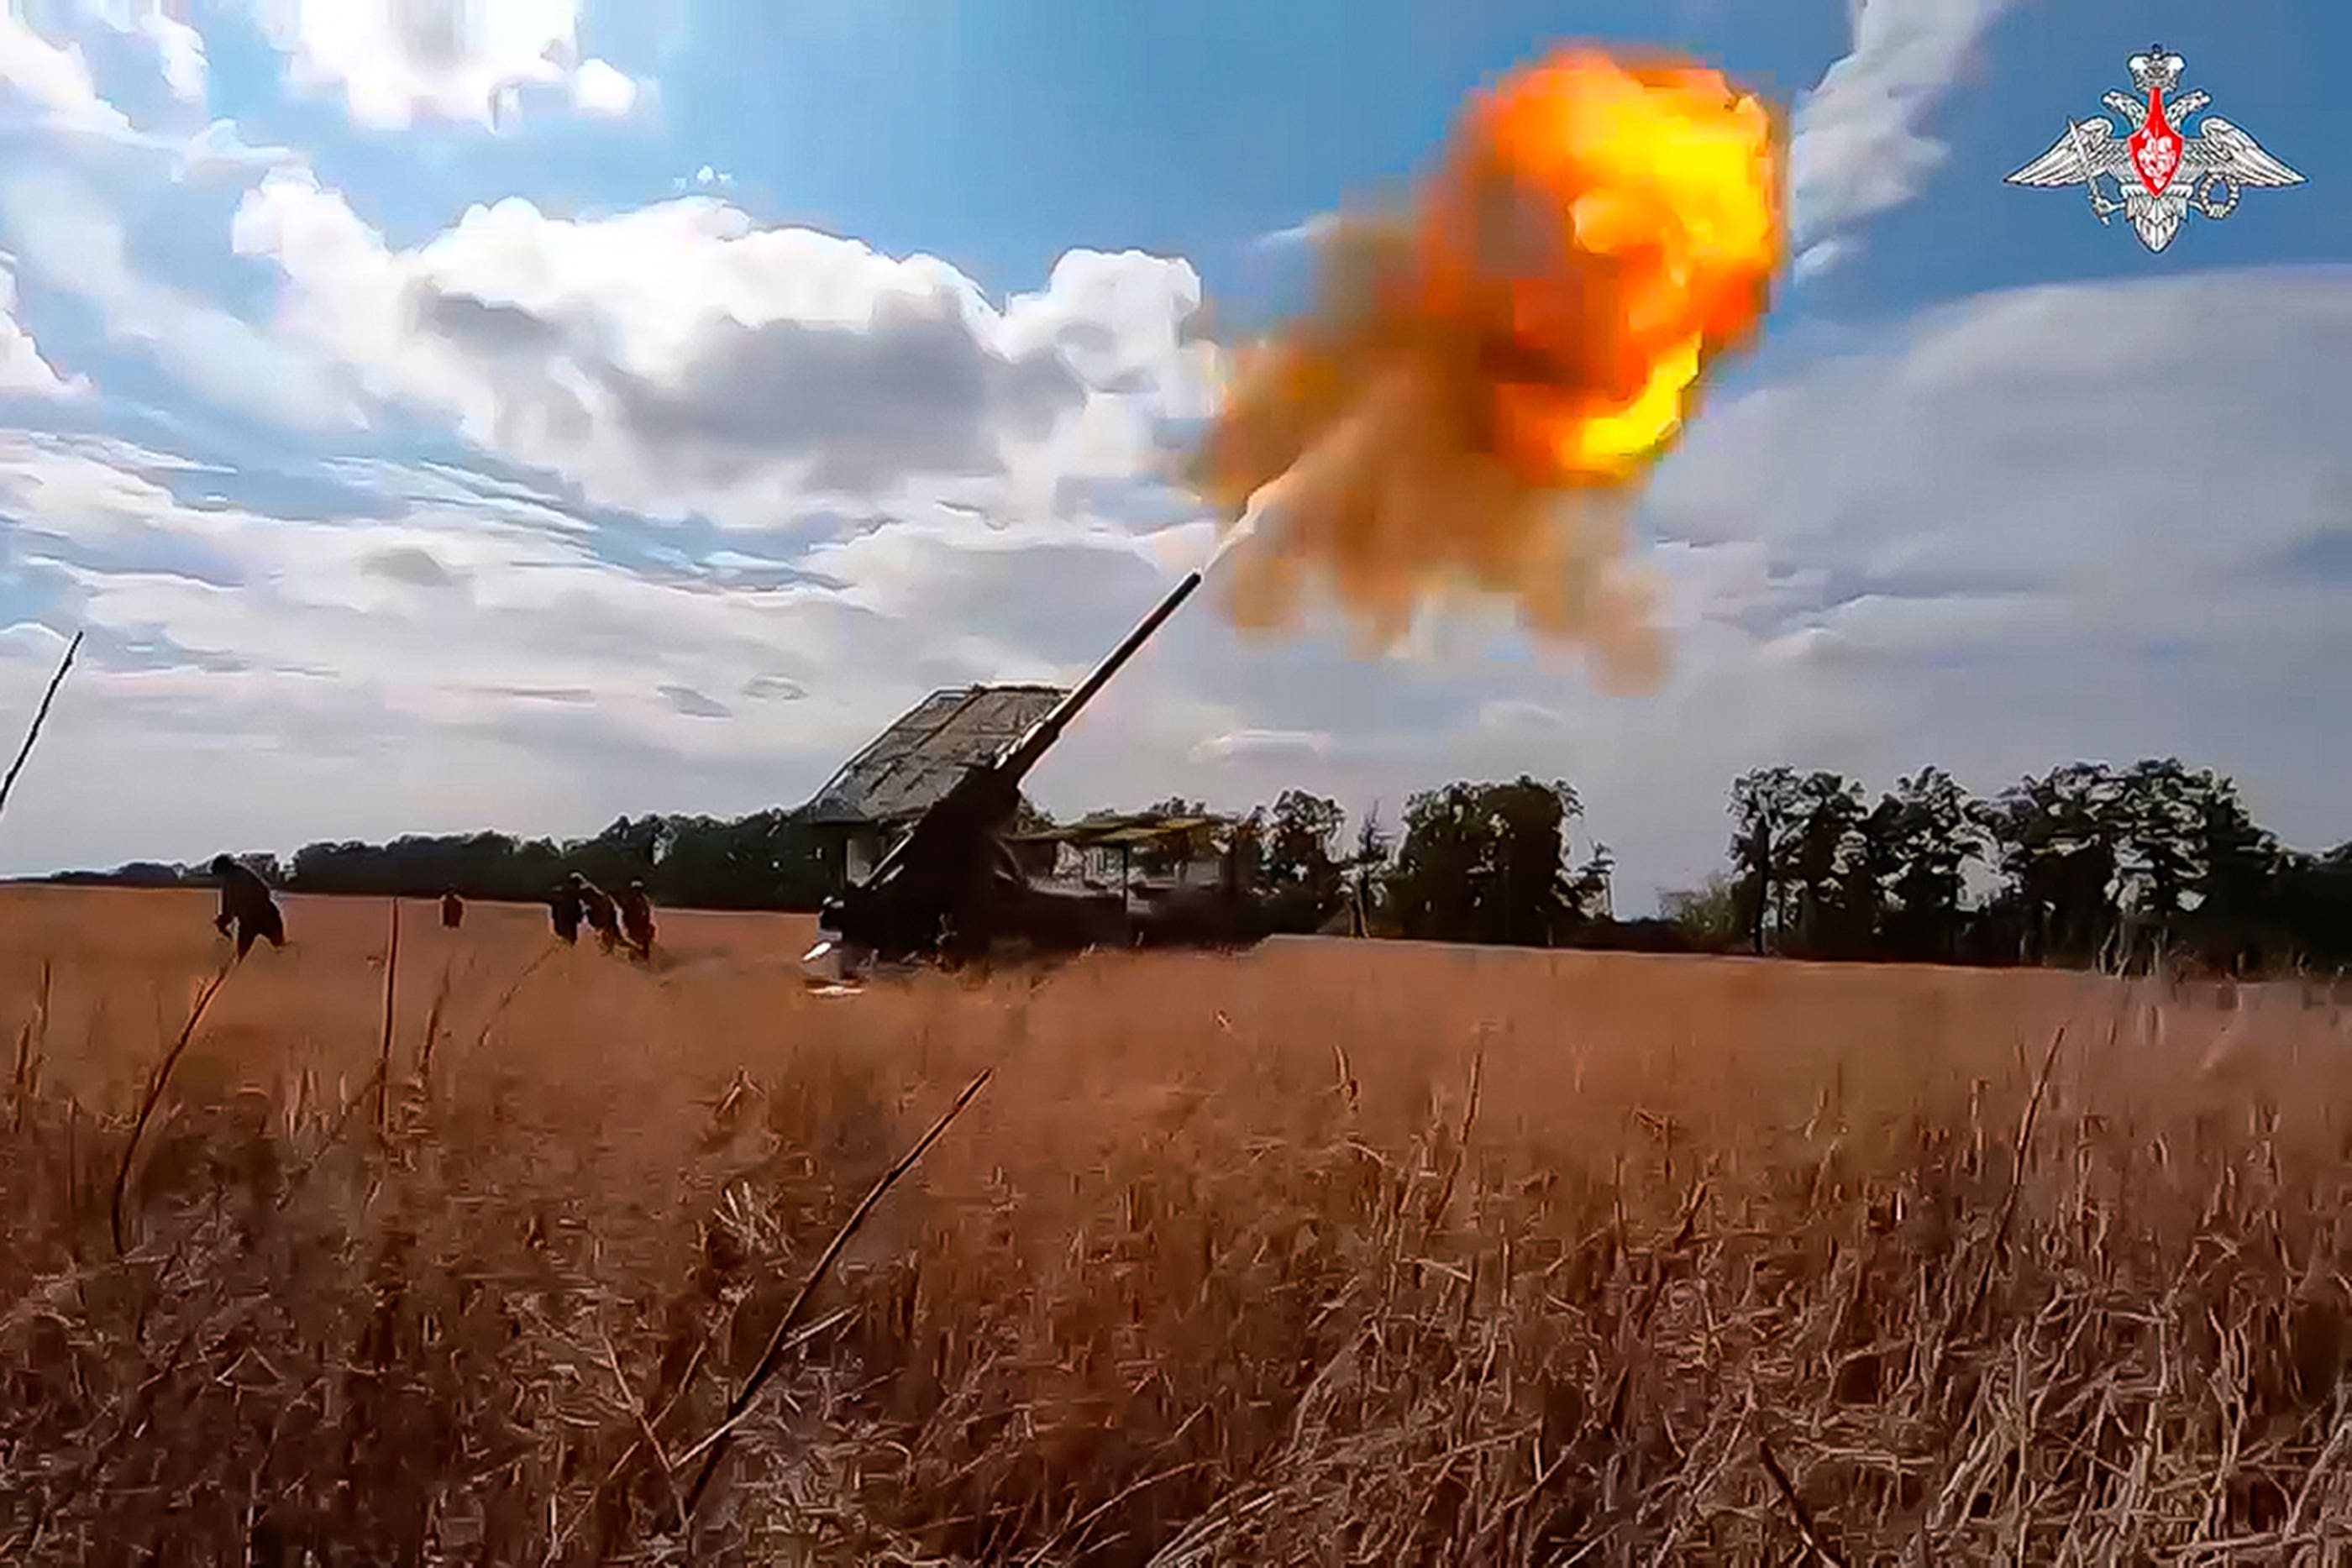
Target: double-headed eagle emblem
(2160, 174)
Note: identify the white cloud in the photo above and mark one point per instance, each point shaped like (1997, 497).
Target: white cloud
(599, 89)
(218, 151)
(30, 641)
(54, 81)
(179, 48)
(1820, 257)
(1311, 230)
(397, 61)
(679, 357)
(67, 235)
(47, 80)
(183, 53)
(23, 370)
(1262, 743)
(1505, 714)
(1860, 143)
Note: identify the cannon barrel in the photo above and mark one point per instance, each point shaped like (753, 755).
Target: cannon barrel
(1011, 764)
(1024, 755)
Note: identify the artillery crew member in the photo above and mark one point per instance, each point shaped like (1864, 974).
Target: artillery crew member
(453, 909)
(246, 904)
(597, 904)
(564, 906)
(637, 919)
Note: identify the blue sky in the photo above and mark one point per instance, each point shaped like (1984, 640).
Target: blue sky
(631, 407)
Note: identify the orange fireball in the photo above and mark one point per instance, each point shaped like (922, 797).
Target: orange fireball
(1596, 236)
(1619, 226)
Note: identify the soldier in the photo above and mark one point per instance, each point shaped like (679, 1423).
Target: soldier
(453, 909)
(637, 919)
(564, 906)
(246, 904)
(602, 918)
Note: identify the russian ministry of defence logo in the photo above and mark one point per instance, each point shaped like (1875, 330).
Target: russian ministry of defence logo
(2161, 176)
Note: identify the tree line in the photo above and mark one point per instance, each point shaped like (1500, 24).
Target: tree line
(769, 860)
(2086, 865)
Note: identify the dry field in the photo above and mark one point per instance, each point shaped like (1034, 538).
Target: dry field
(1334, 1253)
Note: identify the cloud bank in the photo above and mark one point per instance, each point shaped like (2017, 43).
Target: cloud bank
(539, 518)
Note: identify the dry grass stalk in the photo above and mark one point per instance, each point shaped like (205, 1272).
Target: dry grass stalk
(433, 1017)
(30, 1038)
(514, 988)
(40, 717)
(1797, 1509)
(772, 1357)
(383, 1050)
(156, 1084)
(1183, 1301)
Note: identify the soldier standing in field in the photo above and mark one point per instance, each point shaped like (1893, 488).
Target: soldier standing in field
(637, 919)
(246, 904)
(453, 909)
(564, 906)
(602, 917)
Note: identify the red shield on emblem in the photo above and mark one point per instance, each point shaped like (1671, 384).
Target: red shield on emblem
(2155, 147)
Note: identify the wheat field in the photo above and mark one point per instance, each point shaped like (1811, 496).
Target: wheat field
(1329, 1253)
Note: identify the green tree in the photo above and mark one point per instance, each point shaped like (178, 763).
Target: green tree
(1765, 811)
(1530, 892)
(2060, 838)
(770, 860)
(2313, 897)
(2238, 887)
(1823, 843)
(1432, 888)
(1366, 867)
(1865, 907)
(2201, 871)
(1298, 838)
(2158, 811)
(1302, 832)
(1711, 914)
(624, 853)
(1587, 891)
(1927, 832)
(1485, 862)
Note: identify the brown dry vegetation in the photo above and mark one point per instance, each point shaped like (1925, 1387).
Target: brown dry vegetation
(1337, 1253)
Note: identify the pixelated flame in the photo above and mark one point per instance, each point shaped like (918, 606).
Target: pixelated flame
(1488, 378)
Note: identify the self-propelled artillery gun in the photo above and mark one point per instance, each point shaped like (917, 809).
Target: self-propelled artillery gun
(953, 891)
